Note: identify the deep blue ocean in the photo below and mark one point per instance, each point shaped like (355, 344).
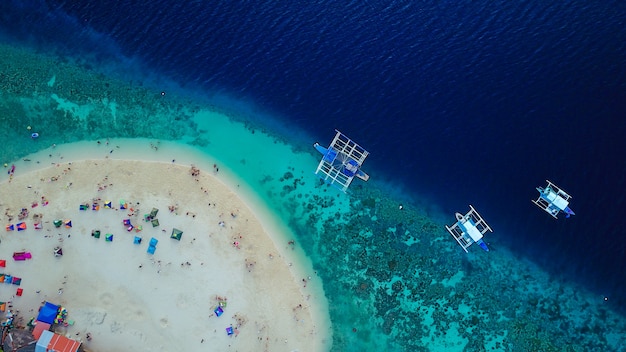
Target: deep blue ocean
(461, 102)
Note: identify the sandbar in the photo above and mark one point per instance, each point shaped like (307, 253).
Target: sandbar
(128, 299)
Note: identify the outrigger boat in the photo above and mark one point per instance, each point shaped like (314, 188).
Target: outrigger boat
(469, 229)
(554, 200)
(341, 162)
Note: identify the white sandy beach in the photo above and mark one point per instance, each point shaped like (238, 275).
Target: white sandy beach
(129, 300)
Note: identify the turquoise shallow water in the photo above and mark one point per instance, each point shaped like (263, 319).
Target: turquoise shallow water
(394, 278)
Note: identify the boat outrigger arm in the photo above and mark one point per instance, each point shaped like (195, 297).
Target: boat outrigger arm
(341, 161)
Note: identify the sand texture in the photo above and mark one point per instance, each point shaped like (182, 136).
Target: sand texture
(129, 300)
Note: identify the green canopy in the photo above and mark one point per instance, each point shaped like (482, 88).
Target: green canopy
(154, 212)
(155, 222)
(176, 234)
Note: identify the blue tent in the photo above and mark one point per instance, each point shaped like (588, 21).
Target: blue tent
(137, 240)
(48, 313)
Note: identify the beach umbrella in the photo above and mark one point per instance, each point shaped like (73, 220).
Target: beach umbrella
(58, 251)
(176, 234)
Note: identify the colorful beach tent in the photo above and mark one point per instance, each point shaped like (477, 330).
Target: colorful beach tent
(3, 263)
(68, 223)
(16, 281)
(58, 251)
(126, 222)
(95, 206)
(109, 237)
(107, 204)
(176, 234)
(57, 223)
(155, 222)
(19, 256)
(123, 204)
(21, 226)
(38, 226)
(152, 245)
(48, 312)
(83, 207)
(137, 240)
(154, 213)
(229, 330)
(218, 311)
(3, 306)
(95, 233)
(10, 227)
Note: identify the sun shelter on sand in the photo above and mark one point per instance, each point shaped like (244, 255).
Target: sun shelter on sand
(152, 215)
(152, 245)
(109, 237)
(48, 312)
(176, 234)
(137, 240)
(20, 256)
(58, 251)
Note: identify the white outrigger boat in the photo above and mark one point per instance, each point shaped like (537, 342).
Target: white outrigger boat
(341, 162)
(469, 229)
(554, 200)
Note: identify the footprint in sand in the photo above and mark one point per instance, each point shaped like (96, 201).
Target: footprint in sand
(106, 299)
(138, 314)
(181, 302)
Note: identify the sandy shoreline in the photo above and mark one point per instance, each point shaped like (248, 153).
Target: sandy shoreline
(128, 299)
